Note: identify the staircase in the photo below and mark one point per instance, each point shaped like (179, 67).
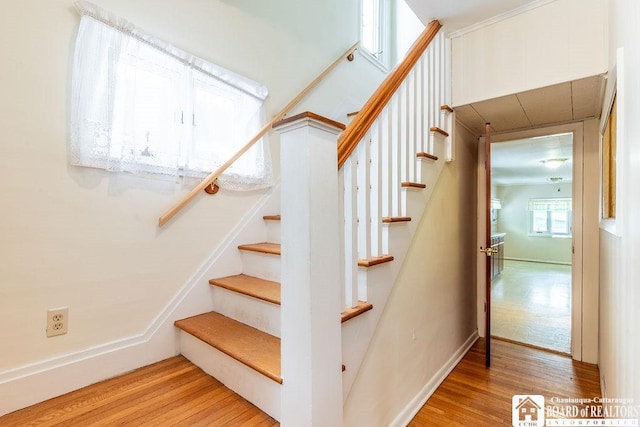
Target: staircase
(398, 161)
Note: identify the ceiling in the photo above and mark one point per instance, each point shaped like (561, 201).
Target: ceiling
(518, 162)
(458, 14)
(561, 103)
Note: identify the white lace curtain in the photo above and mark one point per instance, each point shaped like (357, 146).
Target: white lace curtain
(555, 205)
(144, 106)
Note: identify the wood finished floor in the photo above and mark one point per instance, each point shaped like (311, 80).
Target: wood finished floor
(176, 393)
(473, 395)
(531, 304)
(173, 392)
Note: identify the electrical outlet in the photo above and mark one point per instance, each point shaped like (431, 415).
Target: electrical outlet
(57, 321)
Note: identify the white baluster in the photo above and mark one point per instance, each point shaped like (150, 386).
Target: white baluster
(364, 199)
(376, 188)
(420, 134)
(350, 233)
(396, 144)
(437, 77)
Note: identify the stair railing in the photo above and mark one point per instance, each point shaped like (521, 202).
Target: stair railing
(378, 153)
(213, 176)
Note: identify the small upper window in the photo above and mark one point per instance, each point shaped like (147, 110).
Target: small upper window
(550, 217)
(141, 105)
(373, 30)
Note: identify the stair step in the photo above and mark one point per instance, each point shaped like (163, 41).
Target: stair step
(413, 185)
(253, 348)
(392, 219)
(438, 130)
(255, 287)
(271, 217)
(427, 156)
(375, 261)
(352, 312)
(269, 291)
(446, 108)
(265, 248)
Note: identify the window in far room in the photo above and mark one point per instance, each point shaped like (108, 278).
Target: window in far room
(550, 217)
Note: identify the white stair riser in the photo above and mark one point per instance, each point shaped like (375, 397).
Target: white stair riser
(264, 266)
(273, 231)
(260, 314)
(253, 386)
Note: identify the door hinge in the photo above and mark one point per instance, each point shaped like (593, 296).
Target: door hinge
(485, 307)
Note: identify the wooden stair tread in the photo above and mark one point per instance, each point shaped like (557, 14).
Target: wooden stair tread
(255, 287)
(255, 349)
(375, 261)
(427, 156)
(413, 185)
(352, 312)
(271, 218)
(438, 130)
(265, 248)
(392, 219)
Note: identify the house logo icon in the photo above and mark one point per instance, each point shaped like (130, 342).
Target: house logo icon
(527, 411)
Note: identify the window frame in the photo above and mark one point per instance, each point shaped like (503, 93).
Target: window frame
(379, 54)
(548, 232)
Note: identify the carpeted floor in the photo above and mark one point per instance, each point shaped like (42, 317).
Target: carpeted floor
(531, 303)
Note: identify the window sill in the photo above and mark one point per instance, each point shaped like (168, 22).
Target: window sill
(550, 236)
(610, 226)
(364, 52)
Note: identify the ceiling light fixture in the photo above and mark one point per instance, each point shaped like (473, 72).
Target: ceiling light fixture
(553, 163)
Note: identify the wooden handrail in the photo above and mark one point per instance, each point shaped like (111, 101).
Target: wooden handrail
(356, 130)
(211, 178)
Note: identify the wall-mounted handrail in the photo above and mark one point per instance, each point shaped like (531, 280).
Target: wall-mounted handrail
(211, 178)
(356, 130)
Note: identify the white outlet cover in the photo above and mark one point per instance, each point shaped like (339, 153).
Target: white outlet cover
(57, 321)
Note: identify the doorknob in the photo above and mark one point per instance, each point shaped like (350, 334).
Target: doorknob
(489, 251)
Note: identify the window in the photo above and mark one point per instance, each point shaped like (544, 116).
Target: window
(373, 31)
(550, 217)
(143, 106)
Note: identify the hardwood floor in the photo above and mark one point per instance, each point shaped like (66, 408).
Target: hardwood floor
(176, 393)
(169, 393)
(475, 395)
(531, 303)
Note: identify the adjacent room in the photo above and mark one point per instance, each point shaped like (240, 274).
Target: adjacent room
(531, 218)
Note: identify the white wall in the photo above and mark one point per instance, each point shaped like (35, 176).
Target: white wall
(560, 41)
(513, 219)
(431, 310)
(620, 249)
(87, 239)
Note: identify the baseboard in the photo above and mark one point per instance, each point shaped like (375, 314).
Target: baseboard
(540, 261)
(30, 384)
(410, 411)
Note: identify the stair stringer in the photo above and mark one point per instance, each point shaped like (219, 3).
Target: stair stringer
(378, 281)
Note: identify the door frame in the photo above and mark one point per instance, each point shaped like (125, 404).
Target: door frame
(578, 313)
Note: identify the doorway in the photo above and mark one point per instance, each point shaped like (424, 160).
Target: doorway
(531, 217)
(585, 270)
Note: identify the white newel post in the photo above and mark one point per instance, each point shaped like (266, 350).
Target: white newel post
(311, 290)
